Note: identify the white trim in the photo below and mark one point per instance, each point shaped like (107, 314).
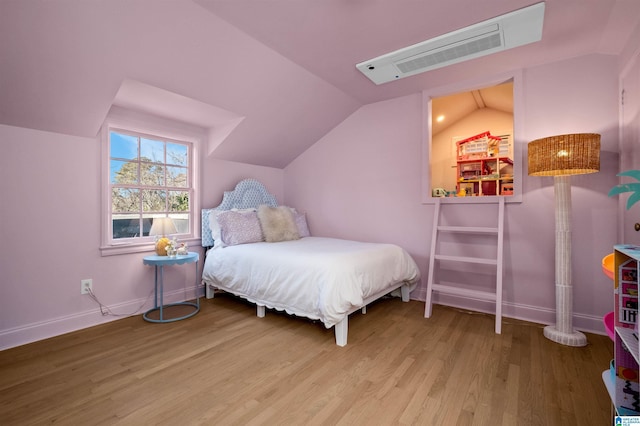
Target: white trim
(633, 61)
(133, 121)
(117, 249)
(518, 131)
(45, 329)
(535, 314)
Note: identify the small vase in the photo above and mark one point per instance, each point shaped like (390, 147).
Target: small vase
(171, 252)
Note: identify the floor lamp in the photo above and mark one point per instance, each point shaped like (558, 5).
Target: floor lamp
(560, 157)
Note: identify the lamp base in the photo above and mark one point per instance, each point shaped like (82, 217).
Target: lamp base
(575, 338)
(161, 246)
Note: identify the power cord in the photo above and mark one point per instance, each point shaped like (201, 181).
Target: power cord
(105, 310)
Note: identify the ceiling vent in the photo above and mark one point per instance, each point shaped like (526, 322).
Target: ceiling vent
(504, 32)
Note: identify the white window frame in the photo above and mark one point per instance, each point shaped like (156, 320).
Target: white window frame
(129, 122)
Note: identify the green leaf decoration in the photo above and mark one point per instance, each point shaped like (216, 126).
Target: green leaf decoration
(633, 198)
(625, 187)
(631, 173)
(634, 188)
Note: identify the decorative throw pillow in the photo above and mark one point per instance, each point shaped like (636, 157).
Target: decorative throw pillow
(301, 224)
(239, 227)
(214, 226)
(277, 224)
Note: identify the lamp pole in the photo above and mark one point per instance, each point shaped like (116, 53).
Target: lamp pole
(562, 332)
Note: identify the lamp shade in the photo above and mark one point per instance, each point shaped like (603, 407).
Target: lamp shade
(162, 226)
(563, 155)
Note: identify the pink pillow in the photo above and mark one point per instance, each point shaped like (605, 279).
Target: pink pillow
(239, 228)
(301, 223)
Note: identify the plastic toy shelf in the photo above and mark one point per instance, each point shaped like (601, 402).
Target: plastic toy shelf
(630, 340)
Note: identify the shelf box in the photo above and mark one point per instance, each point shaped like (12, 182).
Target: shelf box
(485, 177)
(626, 343)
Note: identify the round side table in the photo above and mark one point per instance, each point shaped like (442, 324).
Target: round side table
(159, 262)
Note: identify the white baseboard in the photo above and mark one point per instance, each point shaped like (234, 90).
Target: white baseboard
(536, 314)
(45, 329)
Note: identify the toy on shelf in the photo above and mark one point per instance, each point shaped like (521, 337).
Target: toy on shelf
(625, 375)
(482, 145)
(484, 166)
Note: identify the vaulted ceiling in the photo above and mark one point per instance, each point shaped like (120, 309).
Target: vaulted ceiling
(267, 79)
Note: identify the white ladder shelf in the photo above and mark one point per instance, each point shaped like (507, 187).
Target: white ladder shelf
(498, 231)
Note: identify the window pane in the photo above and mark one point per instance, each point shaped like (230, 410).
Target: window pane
(181, 221)
(147, 220)
(123, 172)
(148, 177)
(177, 176)
(176, 154)
(126, 226)
(151, 150)
(124, 146)
(154, 200)
(178, 201)
(125, 200)
(151, 174)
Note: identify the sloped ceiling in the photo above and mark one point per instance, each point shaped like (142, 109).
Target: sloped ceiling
(282, 71)
(457, 106)
(329, 37)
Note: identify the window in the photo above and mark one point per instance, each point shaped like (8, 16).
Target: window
(146, 177)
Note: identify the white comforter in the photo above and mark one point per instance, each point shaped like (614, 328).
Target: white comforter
(318, 278)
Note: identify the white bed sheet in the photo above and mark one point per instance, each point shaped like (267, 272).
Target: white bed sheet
(314, 277)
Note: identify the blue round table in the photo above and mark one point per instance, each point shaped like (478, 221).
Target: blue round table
(159, 262)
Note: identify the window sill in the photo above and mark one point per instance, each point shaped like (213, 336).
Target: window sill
(118, 249)
(487, 199)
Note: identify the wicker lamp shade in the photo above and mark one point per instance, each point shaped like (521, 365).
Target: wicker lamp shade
(564, 155)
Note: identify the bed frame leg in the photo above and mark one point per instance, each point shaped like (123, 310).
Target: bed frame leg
(341, 330)
(209, 291)
(261, 311)
(404, 290)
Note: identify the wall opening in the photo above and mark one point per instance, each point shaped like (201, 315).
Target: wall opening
(471, 150)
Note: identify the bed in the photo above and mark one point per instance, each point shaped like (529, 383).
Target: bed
(278, 265)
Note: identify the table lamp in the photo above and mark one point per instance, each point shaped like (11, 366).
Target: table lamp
(161, 227)
(562, 156)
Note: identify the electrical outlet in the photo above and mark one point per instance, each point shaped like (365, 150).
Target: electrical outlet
(86, 286)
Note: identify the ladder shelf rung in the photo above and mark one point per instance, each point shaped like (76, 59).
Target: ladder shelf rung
(498, 231)
(467, 259)
(458, 291)
(469, 229)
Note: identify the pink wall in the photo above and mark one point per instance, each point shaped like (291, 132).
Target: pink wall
(50, 233)
(362, 181)
(219, 176)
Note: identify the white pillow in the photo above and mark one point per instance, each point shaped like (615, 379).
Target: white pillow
(214, 226)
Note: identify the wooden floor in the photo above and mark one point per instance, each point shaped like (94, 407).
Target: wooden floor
(226, 366)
